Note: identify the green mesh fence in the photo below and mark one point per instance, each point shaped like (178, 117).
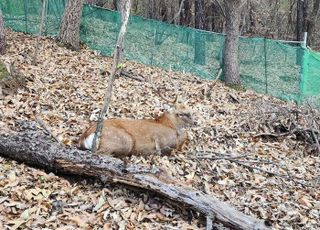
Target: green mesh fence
(311, 79)
(266, 66)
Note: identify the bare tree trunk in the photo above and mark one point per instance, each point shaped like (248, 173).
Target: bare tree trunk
(200, 40)
(312, 20)
(116, 58)
(70, 25)
(116, 5)
(151, 9)
(252, 18)
(2, 35)
(122, 9)
(302, 6)
(41, 28)
(199, 14)
(185, 14)
(185, 19)
(163, 11)
(209, 9)
(231, 65)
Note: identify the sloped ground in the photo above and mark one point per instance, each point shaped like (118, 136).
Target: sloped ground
(248, 149)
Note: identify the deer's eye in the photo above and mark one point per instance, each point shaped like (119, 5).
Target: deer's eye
(183, 115)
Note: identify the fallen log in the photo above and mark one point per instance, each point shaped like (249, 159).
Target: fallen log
(35, 148)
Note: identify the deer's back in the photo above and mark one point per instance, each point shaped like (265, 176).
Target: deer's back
(144, 134)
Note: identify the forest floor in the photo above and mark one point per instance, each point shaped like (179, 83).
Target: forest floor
(251, 150)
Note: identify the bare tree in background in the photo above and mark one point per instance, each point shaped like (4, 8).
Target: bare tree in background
(231, 65)
(70, 25)
(199, 14)
(41, 29)
(301, 24)
(2, 35)
(276, 19)
(185, 14)
(200, 40)
(150, 9)
(312, 20)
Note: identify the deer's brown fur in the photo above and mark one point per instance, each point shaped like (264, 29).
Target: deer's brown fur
(124, 137)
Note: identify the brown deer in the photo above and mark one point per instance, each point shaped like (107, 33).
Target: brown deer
(125, 137)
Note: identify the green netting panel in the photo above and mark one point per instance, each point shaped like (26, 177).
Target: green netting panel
(99, 29)
(311, 83)
(270, 67)
(25, 15)
(55, 11)
(21, 15)
(267, 66)
(154, 43)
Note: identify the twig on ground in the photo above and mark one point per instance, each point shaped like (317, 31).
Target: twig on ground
(129, 75)
(46, 128)
(272, 134)
(312, 122)
(234, 98)
(234, 159)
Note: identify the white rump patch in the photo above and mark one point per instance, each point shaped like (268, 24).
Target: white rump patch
(88, 142)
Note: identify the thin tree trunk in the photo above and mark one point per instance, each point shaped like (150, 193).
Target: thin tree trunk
(148, 8)
(70, 25)
(200, 40)
(41, 27)
(116, 59)
(209, 16)
(252, 17)
(231, 65)
(301, 27)
(185, 14)
(163, 11)
(152, 9)
(116, 5)
(2, 35)
(199, 14)
(301, 24)
(312, 21)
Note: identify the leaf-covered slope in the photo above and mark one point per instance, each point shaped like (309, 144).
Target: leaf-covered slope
(230, 153)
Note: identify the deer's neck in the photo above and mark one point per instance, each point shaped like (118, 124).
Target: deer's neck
(169, 120)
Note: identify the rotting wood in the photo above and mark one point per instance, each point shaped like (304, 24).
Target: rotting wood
(37, 149)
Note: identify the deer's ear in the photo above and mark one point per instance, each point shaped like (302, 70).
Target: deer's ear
(171, 110)
(179, 106)
(183, 108)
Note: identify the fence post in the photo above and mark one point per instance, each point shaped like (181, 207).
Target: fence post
(305, 37)
(304, 67)
(265, 64)
(25, 15)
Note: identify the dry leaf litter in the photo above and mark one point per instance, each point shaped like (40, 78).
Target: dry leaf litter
(250, 150)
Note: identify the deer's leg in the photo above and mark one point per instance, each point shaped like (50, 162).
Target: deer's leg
(181, 140)
(156, 141)
(116, 142)
(158, 149)
(104, 151)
